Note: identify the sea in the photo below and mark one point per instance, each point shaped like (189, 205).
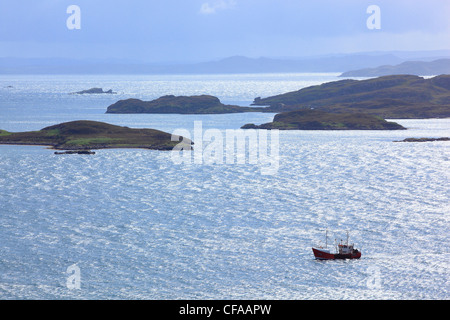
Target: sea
(133, 224)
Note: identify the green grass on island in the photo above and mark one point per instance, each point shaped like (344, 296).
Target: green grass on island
(4, 133)
(84, 134)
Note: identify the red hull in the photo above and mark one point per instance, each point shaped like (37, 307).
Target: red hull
(323, 255)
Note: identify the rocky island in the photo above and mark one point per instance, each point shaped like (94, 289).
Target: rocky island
(86, 135)
(94, 91)
(203, 104)
(307, 119)
(390, 97)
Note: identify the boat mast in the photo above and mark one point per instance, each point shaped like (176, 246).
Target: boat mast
(326, 238)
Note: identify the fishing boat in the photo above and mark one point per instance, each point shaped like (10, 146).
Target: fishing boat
(343, 251)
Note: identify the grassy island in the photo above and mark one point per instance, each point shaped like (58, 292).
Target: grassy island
(85, 135)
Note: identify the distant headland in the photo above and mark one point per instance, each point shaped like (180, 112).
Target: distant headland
(86, 135)
(389, 97)
(420, 68)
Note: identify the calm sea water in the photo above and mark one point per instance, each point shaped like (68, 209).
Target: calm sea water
(135, 225)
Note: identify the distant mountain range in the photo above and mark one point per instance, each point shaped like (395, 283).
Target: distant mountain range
(236, 64)
(419, 68)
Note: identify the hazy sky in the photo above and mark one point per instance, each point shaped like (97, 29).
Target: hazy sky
(195, 30)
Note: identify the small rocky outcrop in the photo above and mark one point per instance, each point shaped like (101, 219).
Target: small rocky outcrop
(424, 139)
(75, 152)
(94, 91)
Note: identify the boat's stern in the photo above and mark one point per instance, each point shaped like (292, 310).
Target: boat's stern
(356, 254)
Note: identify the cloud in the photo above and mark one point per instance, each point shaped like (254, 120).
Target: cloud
(212, 7)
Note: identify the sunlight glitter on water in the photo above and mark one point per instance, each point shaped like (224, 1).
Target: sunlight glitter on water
(141, 227)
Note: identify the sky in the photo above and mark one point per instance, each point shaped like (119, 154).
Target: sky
(155, 31)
